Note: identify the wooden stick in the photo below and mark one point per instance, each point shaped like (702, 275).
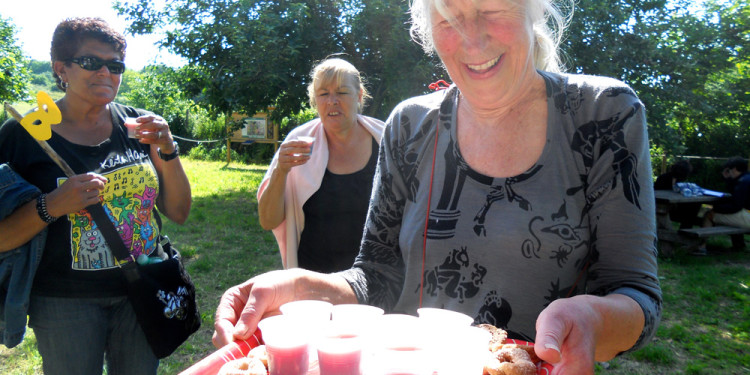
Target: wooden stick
(45, 146)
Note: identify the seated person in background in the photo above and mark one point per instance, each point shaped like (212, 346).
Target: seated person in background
(733, 211)
(316, 202)
(685, 214)
(678, 172)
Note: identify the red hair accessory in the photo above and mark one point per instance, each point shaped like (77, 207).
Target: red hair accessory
(439, 85)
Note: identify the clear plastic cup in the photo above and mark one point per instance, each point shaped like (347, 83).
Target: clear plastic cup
(309, 311)
(309, 140)
(444, 317)
(401, 346)
(361, 319)
(314, 315)
(354, 313)
(340, 350)
(287, 345)
(131, 124)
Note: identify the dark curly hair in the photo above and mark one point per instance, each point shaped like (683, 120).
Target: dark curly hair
(737, 162)
(71, 33)
(681, 169)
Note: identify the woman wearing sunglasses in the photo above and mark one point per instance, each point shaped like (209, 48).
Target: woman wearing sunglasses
(78, 305)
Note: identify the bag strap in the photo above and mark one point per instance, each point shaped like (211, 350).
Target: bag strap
(102, 221)
(109, 232)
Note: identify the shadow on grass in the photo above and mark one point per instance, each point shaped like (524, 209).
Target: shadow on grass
(253, 168)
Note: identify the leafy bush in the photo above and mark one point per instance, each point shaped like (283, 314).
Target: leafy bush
(291, 122)
(203, 127)
(207, 152)
(155, 89)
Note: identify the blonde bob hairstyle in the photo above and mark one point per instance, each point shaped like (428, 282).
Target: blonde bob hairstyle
(549, 24)
(335, 70)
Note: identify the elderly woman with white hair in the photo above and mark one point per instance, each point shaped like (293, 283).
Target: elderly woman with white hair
(519, 195)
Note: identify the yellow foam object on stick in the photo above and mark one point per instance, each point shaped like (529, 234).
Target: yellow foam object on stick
(39, 123)
(39, 127)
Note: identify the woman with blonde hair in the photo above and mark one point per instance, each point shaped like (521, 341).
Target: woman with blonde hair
(315, 196)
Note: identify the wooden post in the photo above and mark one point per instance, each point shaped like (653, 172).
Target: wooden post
(275, 137)
(663, 164)
(229, 138)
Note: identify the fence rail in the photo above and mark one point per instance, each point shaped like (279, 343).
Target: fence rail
(664, 158)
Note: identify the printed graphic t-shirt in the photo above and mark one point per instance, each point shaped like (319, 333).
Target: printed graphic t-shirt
(77, 261)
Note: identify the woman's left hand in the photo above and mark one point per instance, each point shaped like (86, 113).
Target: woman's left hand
(572, 333)
(566, 336)
(154, 130)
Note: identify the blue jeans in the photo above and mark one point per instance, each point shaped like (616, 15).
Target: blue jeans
(76, 335)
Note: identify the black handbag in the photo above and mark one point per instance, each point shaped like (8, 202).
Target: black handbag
(162, 294)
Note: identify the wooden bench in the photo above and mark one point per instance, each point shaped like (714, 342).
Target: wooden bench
(692, 238)
(713, 231)
(737, 234)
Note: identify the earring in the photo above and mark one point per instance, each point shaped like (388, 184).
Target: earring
(65, 85)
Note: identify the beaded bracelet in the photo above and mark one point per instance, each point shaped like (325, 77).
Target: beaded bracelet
(41, 209)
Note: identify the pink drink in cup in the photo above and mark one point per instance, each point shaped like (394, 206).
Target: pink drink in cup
(131, 124)
(405, 360)
(340, 363)
(287, 345)
(340, 351)
(402, 346)
(288, 360)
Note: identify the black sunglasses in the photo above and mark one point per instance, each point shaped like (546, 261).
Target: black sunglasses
(94, 63)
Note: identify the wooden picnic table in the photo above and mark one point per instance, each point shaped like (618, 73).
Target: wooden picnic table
(669, 236)
(666, 199)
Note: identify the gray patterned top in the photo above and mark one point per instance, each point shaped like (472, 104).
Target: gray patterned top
(581, 220)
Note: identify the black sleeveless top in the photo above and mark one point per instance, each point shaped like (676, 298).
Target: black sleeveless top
(335, 219)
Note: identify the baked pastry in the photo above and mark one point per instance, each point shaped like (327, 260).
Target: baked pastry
(260, 353)
(498, 336)
(244, 366)
(508, 359)
(255, 363)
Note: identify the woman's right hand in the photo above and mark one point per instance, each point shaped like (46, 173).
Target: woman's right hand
(75, 194)
(244, 305)
(293, 153)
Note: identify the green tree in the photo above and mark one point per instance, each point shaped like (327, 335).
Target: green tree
(155, 89)
(245, 55)
(687, 60)
(379, 44)
(680, 56)
(14, 74)
(41, 76)
(717, 122)
(248, 55)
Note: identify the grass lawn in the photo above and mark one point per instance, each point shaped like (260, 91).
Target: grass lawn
(705, 328)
